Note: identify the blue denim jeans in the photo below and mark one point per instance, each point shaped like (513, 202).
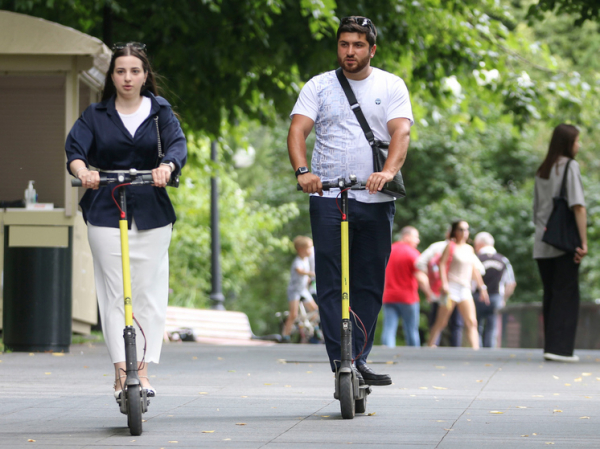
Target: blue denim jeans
(410, 323)
(370, 235)
(487, 319)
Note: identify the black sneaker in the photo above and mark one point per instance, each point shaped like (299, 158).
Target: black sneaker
(372, 378)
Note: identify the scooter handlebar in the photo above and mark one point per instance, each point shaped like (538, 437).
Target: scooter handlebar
(340, 184)
(140, 179)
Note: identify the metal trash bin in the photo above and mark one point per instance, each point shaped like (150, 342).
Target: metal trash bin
(37, 296)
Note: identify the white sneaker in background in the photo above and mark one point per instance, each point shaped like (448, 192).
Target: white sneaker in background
(561, 358)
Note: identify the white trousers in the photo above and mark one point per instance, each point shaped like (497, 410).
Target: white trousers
(149, 261)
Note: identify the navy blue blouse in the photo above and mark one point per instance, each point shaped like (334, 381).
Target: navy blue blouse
(100, 139)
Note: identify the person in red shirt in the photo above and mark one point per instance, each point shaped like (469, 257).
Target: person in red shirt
(400, 295)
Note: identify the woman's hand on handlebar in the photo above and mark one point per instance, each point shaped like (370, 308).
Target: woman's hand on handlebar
(310, 183)
(90, 179)
(161, 175)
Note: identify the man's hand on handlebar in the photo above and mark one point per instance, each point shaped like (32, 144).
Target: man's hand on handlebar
(161, 175)
(90, 179)
(377, 180)
(310, 183)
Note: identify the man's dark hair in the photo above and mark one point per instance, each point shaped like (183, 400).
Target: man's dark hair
(351, 25)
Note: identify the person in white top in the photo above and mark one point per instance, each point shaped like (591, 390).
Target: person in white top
(341, 150)
(464, 266)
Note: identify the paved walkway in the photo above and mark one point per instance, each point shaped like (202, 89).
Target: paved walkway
(281, 397)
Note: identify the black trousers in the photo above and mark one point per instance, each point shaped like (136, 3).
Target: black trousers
(560, 276)
(370, 235)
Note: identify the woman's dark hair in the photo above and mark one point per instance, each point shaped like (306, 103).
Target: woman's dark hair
(130, 50)
(561, 144)
(350, 25)
(454, 228)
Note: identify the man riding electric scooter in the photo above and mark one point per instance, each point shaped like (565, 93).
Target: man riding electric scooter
(345, 147)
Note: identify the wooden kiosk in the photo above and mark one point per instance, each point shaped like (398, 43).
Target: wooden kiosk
(49, 74)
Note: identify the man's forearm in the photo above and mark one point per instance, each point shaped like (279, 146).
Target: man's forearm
(297, 148)
(397, 150)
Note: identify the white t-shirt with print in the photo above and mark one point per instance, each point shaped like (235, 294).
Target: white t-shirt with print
(341, 148)
(133, 121)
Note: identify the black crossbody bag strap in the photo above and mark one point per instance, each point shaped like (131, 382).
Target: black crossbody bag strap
(563, 187)
(355, 106)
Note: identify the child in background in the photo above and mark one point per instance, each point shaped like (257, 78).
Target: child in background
(299, 282)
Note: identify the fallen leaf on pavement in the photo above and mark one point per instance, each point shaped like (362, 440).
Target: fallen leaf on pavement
(371, 414)
(567, 385)
(584, 417)
(524, 435)
(479, 381)
(579, 379)
(208, 431)
(586, 374)
(31, 441)
(557, 410)
(422, 388)
(58, 354)
(240, 423)
(521, 406)
(203, 392)
(440, 388)
(537, 396)
(496, 412)
(556, 377)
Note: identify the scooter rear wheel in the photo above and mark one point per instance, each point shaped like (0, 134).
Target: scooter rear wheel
(346, 391)
(134, 410)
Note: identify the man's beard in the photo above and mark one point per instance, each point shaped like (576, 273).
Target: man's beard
(360, 64)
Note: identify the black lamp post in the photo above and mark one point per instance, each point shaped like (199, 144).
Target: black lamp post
(216, 296)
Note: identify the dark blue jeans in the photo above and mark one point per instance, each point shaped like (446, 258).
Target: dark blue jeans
(487, 319)
(370, 235)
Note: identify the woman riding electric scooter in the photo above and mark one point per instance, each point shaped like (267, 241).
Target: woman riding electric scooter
(132, 127)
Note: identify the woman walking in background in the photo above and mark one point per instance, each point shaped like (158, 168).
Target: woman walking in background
(559, 270)
(458, 266)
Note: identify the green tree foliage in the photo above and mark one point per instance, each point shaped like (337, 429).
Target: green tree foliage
(248, 230)
(487, 87)
(581, 10)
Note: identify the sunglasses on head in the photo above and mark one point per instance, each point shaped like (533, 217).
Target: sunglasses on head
(360, 21)
(122, 45)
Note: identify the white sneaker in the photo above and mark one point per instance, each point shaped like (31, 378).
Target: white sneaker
(561, 358)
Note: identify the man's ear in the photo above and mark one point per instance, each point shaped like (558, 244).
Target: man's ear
(373, 50)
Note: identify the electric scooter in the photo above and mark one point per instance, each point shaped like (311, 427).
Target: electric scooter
(134, 401)
(352, 396)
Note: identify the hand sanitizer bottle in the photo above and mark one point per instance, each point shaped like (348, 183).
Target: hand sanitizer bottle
(30, 195)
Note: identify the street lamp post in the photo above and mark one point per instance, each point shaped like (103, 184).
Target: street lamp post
(216, 295)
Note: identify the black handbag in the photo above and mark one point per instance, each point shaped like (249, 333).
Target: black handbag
(395, 187)
(561, 229)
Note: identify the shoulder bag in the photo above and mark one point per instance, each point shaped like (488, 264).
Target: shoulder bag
(395, 187)
(561, 229)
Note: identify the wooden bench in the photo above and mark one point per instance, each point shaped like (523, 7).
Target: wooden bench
(212, 326)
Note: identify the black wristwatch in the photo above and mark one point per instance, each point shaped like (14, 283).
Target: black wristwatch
(301, 171)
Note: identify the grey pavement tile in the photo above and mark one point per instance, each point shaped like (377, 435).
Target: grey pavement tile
(216, 389)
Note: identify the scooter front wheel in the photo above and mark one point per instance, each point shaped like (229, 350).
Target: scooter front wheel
(134, 410)
(346, 392)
